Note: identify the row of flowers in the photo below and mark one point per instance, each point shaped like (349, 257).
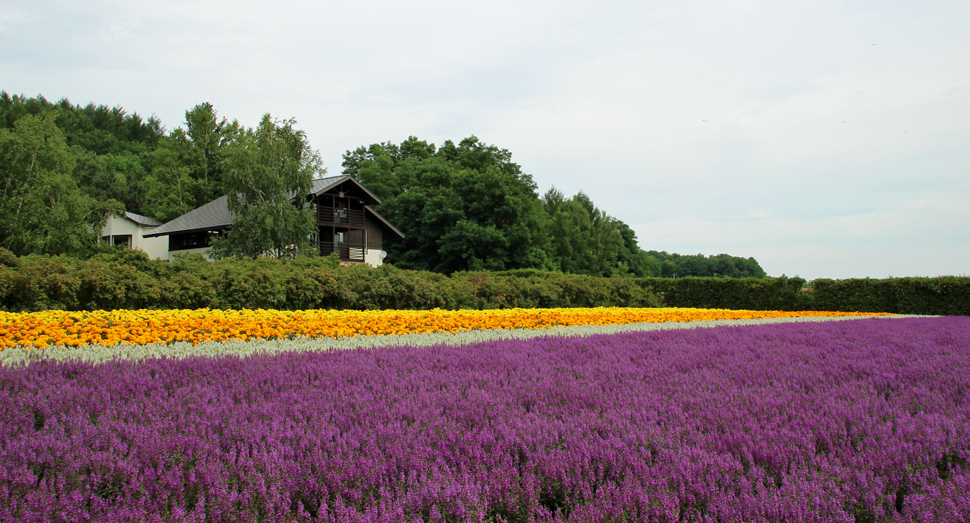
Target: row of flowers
(137, 327)
(831, 421)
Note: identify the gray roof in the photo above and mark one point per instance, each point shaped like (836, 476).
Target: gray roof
(144, 221)
(211, 216)
(215, 214)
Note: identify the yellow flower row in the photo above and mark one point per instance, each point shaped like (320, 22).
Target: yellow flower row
(41, 329)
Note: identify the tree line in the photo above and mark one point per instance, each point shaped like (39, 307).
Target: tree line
(720, 266)
(462, 206)
(65, 168)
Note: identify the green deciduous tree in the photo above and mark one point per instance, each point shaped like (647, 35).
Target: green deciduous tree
(171, 190)
(467, 206)
(632, 259)
(112, 176)
(188, 164)
(721, 265)
(42, 210)
(463, 206)
(267, 173)
(585, 240)
(114, 149)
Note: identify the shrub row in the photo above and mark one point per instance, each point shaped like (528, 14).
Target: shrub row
(130, 280)
(945, 295)
(759, 294)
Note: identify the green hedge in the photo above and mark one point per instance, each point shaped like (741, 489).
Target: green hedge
(945, 295)
(732, 293)
(130, 280)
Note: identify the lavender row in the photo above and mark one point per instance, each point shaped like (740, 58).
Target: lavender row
(865, 420)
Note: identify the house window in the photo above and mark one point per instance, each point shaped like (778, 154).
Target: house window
(190, 240)
(121, 239)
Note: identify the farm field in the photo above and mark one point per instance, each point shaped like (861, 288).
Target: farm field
(856, 420)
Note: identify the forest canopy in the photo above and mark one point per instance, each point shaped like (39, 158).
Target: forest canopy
(463, 206)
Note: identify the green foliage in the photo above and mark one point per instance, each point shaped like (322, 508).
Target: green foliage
(945, 295)
(42, 210)
(188, 164)
(720, 266)
(129, 279)
(119, 177)
(113, 148)
(468, 207)
(41, 283)
(99, 129)
(464, 206)
(732, 293)
(864, 295)
(264, 169)
(548, 289)
(585, 240)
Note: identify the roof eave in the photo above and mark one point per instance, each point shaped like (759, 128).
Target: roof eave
(384, 221)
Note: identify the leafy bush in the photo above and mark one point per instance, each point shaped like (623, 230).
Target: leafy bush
(945, 295)
(122, 279)
(732, 293)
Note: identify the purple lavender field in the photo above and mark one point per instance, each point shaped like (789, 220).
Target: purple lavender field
(855, 421)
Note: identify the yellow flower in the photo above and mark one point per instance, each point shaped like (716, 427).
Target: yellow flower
(108, 328)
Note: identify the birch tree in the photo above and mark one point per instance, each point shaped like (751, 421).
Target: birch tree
(42, 211)
(268, 173)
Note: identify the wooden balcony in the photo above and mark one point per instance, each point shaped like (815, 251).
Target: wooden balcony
(348, 251)
(339, 216)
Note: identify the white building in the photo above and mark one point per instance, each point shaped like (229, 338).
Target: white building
(130, 230)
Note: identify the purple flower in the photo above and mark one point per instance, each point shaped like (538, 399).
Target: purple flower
(863, 420)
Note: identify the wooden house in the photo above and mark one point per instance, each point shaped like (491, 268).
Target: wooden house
(347, 224)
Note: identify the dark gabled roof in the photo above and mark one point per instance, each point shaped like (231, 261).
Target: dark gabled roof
(324, 184)
(215, 214)
(144, 221)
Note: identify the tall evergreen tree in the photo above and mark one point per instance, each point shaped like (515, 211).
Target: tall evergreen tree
(585, 240)
(113, 148)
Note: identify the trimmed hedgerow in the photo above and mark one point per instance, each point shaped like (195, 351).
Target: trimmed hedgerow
(130, 280)
(945, 295)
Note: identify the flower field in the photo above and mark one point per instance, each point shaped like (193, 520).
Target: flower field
(865, 420)
(138, 327)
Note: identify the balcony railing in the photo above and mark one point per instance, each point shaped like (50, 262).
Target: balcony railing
(347, 251)
(338, 216)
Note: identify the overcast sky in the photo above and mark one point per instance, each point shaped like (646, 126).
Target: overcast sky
(824, 139)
